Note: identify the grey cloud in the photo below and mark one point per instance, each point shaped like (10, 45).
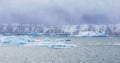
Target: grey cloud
(60, 11)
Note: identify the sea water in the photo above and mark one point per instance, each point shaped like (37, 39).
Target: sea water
(90, 50)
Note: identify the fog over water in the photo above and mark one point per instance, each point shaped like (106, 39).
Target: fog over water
(59, 12)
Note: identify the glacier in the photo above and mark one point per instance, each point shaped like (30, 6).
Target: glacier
(60, 30)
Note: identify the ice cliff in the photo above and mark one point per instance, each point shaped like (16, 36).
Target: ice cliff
(111, 29)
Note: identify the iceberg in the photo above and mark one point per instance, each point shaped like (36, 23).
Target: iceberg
(47, 39)
(116, 44)
(15, 40)
(91, 34)
(28, 41)
(60, 40)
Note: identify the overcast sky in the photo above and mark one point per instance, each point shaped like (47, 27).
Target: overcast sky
(60, 11)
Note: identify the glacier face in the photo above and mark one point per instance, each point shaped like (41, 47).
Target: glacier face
(111, 29)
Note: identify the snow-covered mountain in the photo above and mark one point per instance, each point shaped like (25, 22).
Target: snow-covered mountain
(111, 29)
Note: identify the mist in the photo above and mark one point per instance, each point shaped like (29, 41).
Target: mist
(59, 12)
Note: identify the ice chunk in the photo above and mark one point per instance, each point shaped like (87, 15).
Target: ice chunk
(91, 34)
(51, 45)
(36, 34)
(47, 39)
(60, 40)
(15, 40)
(116, 44)
(62, 45)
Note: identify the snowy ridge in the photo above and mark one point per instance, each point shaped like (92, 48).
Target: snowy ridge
(111, 29)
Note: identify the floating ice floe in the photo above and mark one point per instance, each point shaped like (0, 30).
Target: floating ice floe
(48, 43)
(47, 39)
(51, 45)
(35, 34)
(31, 42)
(116, 44)
(15, 40)
(60, 40)
(56, 45)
